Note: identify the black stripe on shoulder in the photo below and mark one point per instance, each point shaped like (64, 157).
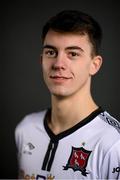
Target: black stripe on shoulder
(110, 120)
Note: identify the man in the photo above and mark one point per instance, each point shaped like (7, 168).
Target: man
(75, 138)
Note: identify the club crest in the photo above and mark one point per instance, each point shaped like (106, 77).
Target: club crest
(78, 160)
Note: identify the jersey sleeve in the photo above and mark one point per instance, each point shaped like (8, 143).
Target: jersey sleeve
(19, 134)
(111, 163)
(18, 140)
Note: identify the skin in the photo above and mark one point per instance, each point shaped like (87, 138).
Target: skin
(68, 66)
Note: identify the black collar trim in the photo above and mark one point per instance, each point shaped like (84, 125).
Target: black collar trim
(65, 133)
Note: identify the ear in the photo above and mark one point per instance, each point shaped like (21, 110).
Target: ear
(95, 65)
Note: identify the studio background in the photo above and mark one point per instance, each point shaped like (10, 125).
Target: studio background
(22, 87)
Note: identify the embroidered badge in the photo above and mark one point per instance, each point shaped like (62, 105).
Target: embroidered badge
(78, 160)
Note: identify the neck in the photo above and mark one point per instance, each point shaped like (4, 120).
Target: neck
(66, 112)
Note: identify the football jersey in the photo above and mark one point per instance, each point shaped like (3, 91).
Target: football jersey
(88, 150)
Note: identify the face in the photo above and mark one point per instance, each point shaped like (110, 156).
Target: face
(67, 63)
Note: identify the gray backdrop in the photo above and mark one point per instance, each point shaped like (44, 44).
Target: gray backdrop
(22, 88)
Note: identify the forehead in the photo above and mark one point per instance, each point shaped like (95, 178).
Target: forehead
(63, 40)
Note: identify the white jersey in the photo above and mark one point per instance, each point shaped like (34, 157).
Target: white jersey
(89, 150)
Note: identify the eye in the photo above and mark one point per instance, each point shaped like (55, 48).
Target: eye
(50, 53)
(73, 55)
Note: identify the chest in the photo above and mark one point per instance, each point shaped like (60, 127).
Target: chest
(72, 157)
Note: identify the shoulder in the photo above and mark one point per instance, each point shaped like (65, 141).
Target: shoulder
(30, 121)
(28, 127)
(110, 122)
(110, 136)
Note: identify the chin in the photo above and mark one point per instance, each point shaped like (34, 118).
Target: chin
(59, 93)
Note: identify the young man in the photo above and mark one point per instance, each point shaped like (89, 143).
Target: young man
(75, 139)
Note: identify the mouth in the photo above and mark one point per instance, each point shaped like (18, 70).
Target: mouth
(59, 79)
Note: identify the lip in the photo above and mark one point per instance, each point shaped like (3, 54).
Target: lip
(59, 79)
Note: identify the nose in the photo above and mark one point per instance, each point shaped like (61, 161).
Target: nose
(60, 62)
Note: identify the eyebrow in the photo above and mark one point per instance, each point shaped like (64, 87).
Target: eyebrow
(67, 48)
(47, 46)
(74, 47)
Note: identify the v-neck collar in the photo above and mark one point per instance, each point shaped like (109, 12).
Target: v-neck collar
(69, 131)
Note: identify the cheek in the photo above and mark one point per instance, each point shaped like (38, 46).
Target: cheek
(82, 70)
(45, 67)
(44, 71)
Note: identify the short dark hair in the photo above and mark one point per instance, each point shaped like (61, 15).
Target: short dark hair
(75, 21)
